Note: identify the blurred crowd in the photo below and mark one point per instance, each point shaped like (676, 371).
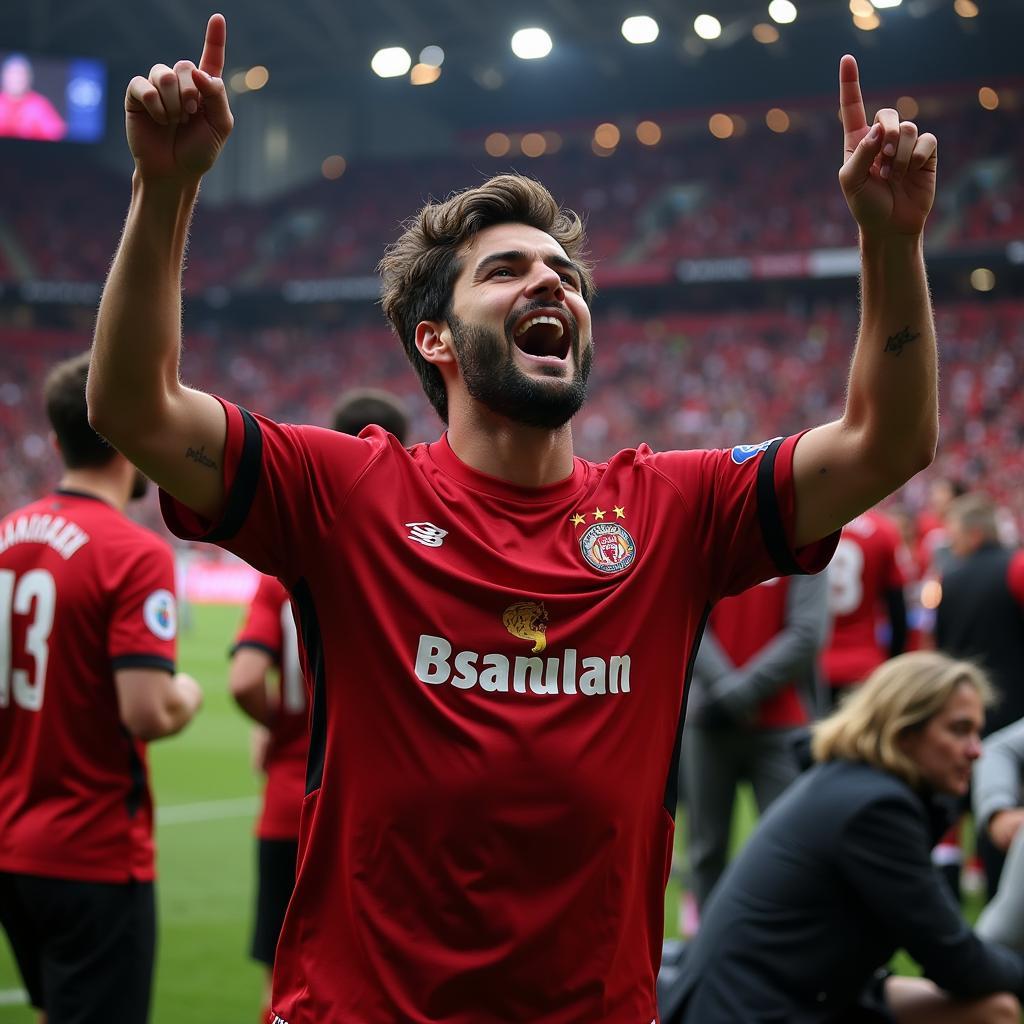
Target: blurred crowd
(680, 380)
(689, 196)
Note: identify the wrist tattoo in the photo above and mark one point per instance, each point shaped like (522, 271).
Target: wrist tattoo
(199, 455)
(895, 343)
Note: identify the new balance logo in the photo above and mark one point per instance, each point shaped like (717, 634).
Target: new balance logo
(281, 1020)
(427, 534)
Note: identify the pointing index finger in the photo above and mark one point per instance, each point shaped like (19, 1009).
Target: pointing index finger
(851, 103)
(212, 60)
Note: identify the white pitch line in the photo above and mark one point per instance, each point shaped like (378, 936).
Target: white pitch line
(209, 810)
(13, 997)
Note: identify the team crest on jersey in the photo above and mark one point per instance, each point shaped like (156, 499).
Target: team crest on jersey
(608, 547)
(528, 620)
(742, 452)
(160, 614)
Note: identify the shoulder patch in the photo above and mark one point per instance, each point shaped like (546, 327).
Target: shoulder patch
(160, 614)
(742, 452)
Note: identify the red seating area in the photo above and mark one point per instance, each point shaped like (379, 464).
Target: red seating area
(692, 196)
(676, 381)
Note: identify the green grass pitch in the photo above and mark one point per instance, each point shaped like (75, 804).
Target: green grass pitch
(203, 782)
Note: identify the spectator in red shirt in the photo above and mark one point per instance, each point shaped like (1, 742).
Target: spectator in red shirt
(25, 113)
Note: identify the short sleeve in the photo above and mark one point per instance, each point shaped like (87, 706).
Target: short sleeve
(262, 626)
(284, 487)
(742, 502)
(143, 628)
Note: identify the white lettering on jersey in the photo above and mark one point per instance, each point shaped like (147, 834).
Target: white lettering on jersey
(40, 528)
(497, 673)
(427, 534)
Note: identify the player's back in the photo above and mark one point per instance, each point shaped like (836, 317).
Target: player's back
(864, 567)
(83, 592)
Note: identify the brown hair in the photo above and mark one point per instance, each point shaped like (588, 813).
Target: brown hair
(359, 408)
(901, 695)
(419, 270)
(64, 393)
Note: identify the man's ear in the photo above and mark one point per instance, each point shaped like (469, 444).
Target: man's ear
(434, 341)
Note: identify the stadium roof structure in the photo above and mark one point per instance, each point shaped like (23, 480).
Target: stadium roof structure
(318, 47)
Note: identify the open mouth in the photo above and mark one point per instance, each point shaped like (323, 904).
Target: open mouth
(543, 335)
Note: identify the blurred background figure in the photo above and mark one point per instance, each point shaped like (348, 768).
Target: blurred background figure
(25, 113)
(88, 637)
(998, 803)
(837, 877)
(981, 617)
(754, 689)
(865, 598)
(267, 645)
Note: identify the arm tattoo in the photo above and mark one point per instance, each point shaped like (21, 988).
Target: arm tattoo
(199, 455)
(895, 343)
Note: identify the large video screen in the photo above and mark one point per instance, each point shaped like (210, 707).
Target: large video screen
(51, 99)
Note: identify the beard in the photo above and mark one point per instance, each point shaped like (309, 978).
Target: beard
(140, 484)
(487, 361)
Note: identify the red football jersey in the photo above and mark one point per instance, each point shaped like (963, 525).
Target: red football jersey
(270, 626)
(865, 567)
(84, 592)
(497, 679)
(744, 625)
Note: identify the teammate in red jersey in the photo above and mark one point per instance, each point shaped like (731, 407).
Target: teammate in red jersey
(87, 644)
(266, 642)
(497, 633)
(865, 581)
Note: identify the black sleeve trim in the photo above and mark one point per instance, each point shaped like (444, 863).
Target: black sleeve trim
(256, 646)
(142, 661)
(770, 517)
(671, 798)
(312, 643)
(243, 487)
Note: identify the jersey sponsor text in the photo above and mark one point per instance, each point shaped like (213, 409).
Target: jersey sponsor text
(499, 673)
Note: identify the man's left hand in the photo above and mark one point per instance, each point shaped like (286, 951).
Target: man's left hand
(888, 172)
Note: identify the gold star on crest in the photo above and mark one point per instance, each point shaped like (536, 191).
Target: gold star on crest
(598, 514)
(578, 520)
(620, 512)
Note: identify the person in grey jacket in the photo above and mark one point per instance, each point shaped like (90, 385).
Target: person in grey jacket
(837, 876)
(754, 688)
(998, 802)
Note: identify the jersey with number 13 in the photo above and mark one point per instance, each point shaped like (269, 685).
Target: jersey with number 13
(84, 592)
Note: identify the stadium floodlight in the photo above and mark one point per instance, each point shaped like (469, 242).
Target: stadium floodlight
(782, 11)
(882, 4)
(391, 62)
(640, 29)
(432, 56)
(707, 26)
(531, 44)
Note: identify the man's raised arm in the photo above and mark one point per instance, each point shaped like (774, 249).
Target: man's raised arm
(889, 428)
(177, 120)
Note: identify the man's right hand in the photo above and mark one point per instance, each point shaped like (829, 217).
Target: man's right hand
(178, 119)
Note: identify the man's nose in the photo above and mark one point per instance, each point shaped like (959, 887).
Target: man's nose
(545, 280)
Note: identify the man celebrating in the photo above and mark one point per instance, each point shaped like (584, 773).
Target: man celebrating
(497, 633)
(87, 641)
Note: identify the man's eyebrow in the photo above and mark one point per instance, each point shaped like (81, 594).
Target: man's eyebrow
(518, 256)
